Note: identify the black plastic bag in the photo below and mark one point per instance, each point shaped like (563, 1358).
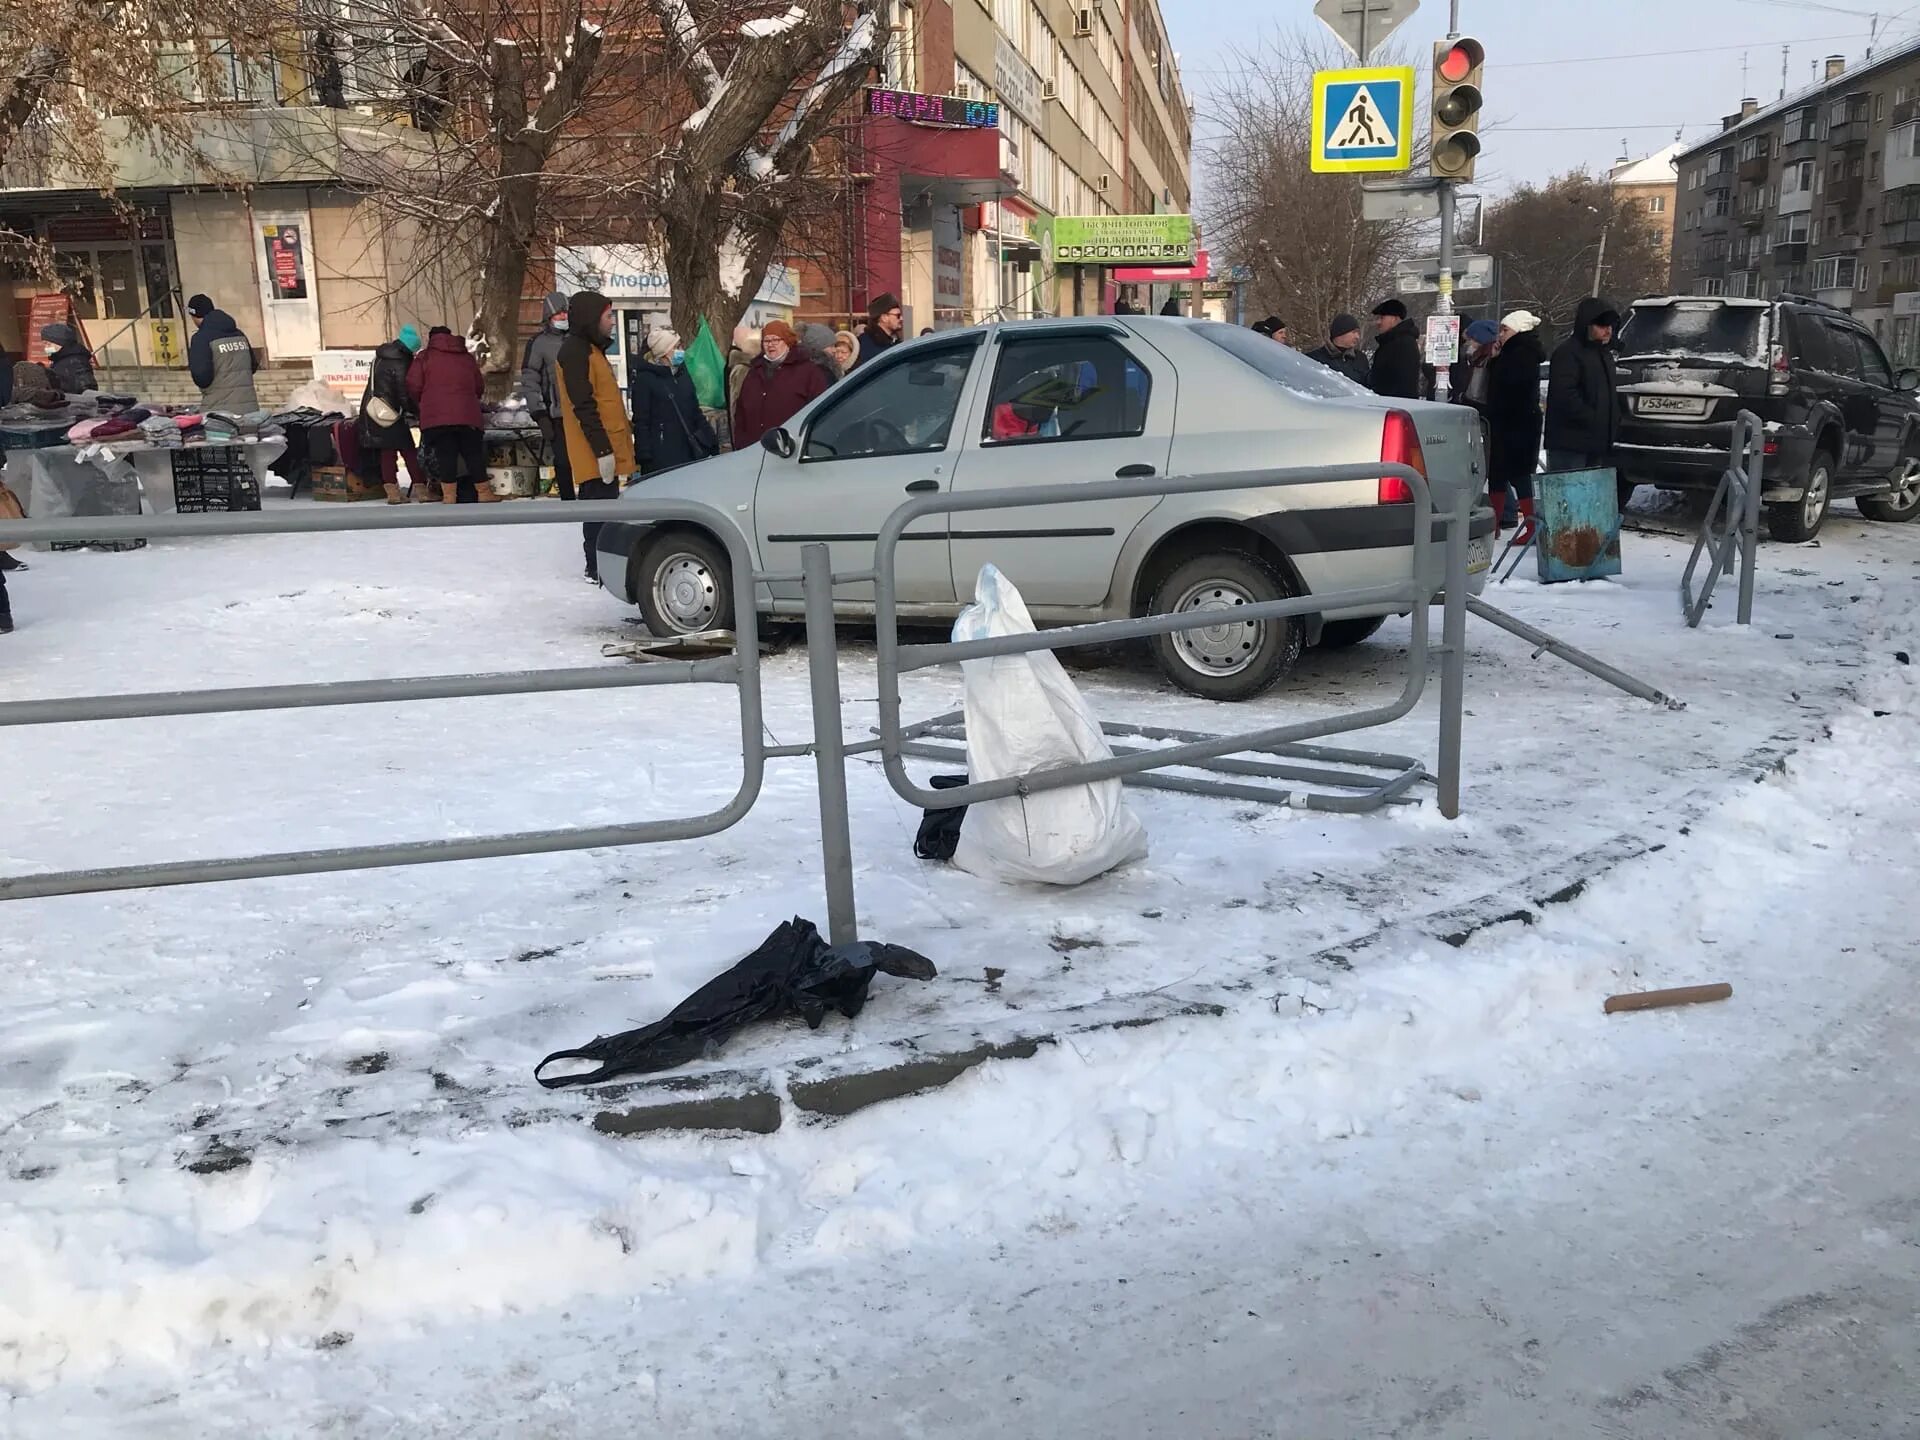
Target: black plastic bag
(939, 834)
(794, 972)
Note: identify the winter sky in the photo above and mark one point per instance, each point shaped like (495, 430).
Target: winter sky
(1542, 70)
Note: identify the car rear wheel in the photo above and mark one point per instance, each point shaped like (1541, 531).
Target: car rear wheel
(1234, 659)
(1344, 634)
(1797, 520)
(1902, 500)
(684, 584)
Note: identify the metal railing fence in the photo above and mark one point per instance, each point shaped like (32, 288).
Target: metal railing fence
(1731, 528)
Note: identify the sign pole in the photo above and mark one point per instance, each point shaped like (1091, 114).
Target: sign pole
(1440, 379)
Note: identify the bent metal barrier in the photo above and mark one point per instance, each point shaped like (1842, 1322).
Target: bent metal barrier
(1415, 593)
(1425, 580)
(1732, 524)
(742, 670)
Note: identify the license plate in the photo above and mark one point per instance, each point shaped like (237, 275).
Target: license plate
(1672, 404)
(1479, 555)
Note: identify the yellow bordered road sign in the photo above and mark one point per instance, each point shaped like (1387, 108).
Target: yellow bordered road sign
(1363, 119)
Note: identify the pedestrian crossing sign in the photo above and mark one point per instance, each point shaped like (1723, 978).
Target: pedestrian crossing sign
(1363, 119)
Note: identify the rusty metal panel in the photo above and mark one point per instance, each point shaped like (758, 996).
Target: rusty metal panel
(1578, 512)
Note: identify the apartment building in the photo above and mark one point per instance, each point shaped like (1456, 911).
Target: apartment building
(1816, 194)
(1651, 186)
(275, 235)
(1087, 117)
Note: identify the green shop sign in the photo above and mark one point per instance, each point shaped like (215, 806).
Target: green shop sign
(1116, 239)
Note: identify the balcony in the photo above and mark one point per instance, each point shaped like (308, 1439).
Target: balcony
(1721, 179)
(1845, 194)
(1849, 128)
(1754, 171)
(1847, 244)
(1711, 221)
(1905, 111)
(1790, 252)
(1800, 136)
(1755, 218)
(1839, 297)
(1902, 234)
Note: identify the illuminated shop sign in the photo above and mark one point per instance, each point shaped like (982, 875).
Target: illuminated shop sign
(934, 109)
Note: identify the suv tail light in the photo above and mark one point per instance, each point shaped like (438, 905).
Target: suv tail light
(1777, 369)
(1399, 445)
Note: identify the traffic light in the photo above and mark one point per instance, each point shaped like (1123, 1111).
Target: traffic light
(1456, 107)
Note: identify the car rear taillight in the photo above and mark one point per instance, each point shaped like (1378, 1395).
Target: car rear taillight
(1399, 445)
(1770, 447)
(1777, 369)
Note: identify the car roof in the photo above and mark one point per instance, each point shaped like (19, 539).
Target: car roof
(1732, 301)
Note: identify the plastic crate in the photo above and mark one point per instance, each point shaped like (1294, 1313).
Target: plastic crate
(213, 478)
(34, 434)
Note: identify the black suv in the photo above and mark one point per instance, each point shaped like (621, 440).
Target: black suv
(1840, 422)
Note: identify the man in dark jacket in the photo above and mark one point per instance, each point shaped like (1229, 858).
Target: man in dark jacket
(1342, 352)
(540, 386)
(781, 381)
(1396, 357)
(445, 385)
(1273, 327)
(884, 323)
(220, 359)
(1513, 417)
(69, 359)
(393, 439)
(669, 427)
(1582, 410)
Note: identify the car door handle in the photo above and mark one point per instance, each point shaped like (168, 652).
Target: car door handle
(921, 487)
(1133, 472)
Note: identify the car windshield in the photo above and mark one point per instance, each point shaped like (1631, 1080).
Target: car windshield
(1696, 330)
(1280, 362)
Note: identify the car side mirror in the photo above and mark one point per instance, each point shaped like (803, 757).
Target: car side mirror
(778, 441)
(1908, 379)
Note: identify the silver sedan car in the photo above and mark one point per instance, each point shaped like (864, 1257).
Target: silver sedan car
(1046, 401)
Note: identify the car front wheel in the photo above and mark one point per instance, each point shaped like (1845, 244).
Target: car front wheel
(1229, 659)
(1902, 500)
(684, 584)
(1797, 520)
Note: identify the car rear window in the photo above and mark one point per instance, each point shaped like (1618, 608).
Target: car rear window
(1702, 330)
(1279, 362)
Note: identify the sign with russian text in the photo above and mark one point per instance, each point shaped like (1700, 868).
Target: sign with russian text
(1118, 239)
(952, 110)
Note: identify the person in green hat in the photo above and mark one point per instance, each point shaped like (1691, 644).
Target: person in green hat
(386, 419)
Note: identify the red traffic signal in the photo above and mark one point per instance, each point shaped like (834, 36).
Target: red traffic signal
(1459, 60)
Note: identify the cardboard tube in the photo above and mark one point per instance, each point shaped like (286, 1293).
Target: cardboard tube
(1660, 999)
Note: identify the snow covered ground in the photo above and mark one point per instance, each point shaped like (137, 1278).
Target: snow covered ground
(1442, 1196)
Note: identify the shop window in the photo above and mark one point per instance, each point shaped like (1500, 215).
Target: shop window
(903, 406)
(1071, 388)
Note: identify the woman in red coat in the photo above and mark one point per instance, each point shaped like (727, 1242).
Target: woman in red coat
(445, 385)
(776, 386)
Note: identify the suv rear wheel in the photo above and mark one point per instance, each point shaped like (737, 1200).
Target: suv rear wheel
(1235, 659)
(1902, 500)
(1801, 519)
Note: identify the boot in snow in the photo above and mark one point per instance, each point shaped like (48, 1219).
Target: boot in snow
(1524, 524)
(394, 497)
(1498, 498)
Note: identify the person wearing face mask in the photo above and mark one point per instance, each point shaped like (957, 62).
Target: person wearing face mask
(779, 385)
(540, 386)
(593, 422)
(669, 427)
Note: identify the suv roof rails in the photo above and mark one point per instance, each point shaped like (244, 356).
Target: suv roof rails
(1794, 297)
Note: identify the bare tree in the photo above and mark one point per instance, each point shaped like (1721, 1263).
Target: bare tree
(689, 129)
(734, 169)
(86, 82)
(1547, 240)
(1301, 234)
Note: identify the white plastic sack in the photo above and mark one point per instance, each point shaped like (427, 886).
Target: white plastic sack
(1024, 714)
